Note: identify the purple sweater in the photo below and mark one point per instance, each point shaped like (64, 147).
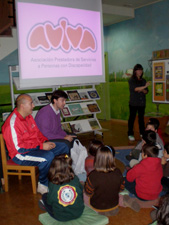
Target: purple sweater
(49, 123)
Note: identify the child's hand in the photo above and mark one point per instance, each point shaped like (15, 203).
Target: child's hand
(163, 160)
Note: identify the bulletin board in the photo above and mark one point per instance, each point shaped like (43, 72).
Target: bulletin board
(160, 78)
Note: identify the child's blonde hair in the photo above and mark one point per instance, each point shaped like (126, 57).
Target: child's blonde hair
(104, 160)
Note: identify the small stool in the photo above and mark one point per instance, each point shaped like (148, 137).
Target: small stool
(89, 216)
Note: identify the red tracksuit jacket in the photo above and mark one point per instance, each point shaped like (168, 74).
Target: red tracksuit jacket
(21, 135)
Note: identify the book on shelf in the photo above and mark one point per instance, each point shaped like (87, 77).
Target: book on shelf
(83, 95)
(76, 127)
(49, 96)
(93, 94)
(65, 111)
(76, 109)
(67, 127)
(73, 95)
(94, 124)
(93, 107)
(43, 99)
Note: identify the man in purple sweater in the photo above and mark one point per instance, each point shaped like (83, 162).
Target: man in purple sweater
(48, 119)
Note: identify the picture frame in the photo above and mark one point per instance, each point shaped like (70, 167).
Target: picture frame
(159, 71)
(73, 95)
(65, 111)
(75, 109)
(93, 94)
(159, 91)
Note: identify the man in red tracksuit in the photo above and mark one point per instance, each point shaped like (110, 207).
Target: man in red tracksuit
(26, 144)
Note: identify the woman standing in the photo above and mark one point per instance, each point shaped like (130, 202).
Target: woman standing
(138, 90)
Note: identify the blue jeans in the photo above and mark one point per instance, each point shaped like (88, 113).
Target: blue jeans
(42, 159)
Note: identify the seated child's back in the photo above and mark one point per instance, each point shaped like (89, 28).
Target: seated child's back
(104, 183)
(147, 174)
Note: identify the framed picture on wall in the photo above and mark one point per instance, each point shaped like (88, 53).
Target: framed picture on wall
(159, 71)
(159, 91)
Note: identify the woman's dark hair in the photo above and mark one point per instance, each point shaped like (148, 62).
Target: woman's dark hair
(137, 67)
(104, 160)
(163, 211)
(94, 145)
(58, 94)
(149, 137)
(150, 150)
(155, 122)
(61, 170)
(166, 147)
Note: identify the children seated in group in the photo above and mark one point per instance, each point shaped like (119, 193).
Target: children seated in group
(152, 125)
(165, 165)
(160, 216)
(64, 201)
(104, 183)
(144, 179)
(94, 145)
(149, 137)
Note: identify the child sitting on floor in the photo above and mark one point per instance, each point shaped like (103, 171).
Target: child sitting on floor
(94, 145)
(144, 179)
(149, 137)
(161, 214)
(152, 125)
(64, 201)
(104, 183)
(165, 165)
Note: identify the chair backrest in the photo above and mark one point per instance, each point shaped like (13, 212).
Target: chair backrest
(3, 151)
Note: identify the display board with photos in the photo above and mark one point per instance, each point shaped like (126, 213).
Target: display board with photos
(80, 108)
(160, 78)
(81, 126)
(82, 95)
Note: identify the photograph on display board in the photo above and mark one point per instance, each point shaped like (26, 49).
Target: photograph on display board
(94, 124)
(93, 94)
(167, 87)
(159, 92)
(73, 95)
(76, 128)
(93, 107)
(159, 71)
(65, 111)
(67, 127)
(76, 109)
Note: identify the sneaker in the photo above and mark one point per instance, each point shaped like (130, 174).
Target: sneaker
(42, 189)
(41, 205)
(131, 203)
(131, 138)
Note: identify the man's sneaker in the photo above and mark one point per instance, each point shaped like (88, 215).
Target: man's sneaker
(41, 205)
(42, 189)
(131, 138)
(131, 203)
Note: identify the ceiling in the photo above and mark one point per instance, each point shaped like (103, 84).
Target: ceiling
(115, 11)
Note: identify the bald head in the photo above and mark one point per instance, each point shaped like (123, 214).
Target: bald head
(22, 99)
(24, 105)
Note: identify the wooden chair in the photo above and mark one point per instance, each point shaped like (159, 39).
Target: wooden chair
(11, 168)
